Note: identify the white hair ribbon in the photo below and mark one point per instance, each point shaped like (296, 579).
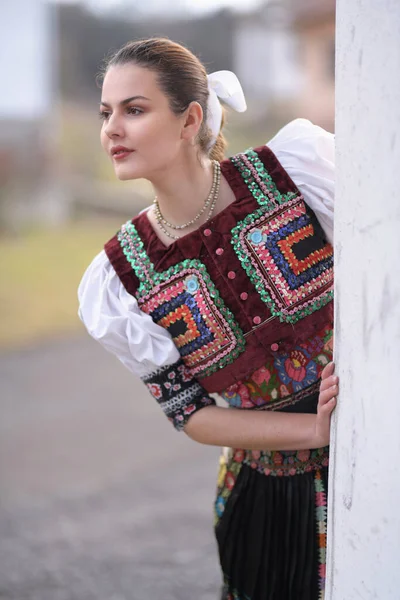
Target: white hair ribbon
(224, 85)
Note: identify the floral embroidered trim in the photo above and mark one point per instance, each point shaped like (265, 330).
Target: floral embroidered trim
(287, 377)
(284, 463)
(184, 300)
(265, 241)
(178, 394)
(321, 518)
(293, 399)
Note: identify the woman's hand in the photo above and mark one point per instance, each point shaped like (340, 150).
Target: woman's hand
(326, 403)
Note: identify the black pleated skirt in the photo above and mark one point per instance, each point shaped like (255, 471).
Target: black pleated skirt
(271, 524)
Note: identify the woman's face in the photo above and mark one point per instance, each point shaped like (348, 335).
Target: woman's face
(140, 133)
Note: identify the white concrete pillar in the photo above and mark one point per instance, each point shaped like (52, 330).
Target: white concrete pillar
(364, 511)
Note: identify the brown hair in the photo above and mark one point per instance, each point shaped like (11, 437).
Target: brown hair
(181, 76)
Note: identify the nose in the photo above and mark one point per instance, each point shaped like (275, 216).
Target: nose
(114, 128)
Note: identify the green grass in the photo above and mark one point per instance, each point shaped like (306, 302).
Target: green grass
(39, 275)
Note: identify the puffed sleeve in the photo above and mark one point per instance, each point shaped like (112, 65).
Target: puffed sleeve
(113, 318)
(307, 153)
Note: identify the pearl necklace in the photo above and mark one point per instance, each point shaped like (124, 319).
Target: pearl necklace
(210, 201)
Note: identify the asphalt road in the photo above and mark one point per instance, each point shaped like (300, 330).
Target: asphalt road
(100, 498)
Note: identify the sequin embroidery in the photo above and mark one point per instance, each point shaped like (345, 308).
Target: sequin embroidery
(185, 301)
(281, 247)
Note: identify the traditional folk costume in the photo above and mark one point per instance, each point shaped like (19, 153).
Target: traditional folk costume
(241, 307)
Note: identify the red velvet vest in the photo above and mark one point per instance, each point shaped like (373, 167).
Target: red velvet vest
(249, 284)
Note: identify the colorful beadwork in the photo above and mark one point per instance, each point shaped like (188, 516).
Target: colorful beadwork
(259, 181)
(281, 247)
(184, 300)
(321, 518)
(178, 394)
(287, 378)
(229, 470)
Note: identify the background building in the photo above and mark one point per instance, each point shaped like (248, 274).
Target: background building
(266, 57)
(314, 26)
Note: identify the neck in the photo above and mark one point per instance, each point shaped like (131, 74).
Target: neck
(182, 191)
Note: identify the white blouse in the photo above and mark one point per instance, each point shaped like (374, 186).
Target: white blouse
(112, 316)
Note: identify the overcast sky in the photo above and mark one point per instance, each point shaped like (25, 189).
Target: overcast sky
(166, 6)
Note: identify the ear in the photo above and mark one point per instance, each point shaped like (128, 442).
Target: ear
(193, 119)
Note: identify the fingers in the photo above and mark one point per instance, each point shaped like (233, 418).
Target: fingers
(328, 379)
(328, 370)
(327, 395)
(327, 408)
(328, 383)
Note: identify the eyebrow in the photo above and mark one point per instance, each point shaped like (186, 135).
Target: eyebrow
(127, 100)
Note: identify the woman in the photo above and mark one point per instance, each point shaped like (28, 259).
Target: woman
(225, 285)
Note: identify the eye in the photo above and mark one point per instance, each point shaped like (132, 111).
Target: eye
(134, 110)
(104, 115)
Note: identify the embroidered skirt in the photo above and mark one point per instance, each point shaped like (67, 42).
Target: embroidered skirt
(270, 515)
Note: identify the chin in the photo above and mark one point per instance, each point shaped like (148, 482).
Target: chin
(126, 174)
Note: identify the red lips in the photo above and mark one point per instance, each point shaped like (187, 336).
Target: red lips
(120, 151)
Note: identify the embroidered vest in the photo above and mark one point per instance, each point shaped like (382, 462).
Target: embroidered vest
(254, 281)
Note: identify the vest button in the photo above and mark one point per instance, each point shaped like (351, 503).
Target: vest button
(256, 236)
(219, 251)
(207, 232)
(231, 275)
(274, 347)
(257, 320)
(244, 296)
